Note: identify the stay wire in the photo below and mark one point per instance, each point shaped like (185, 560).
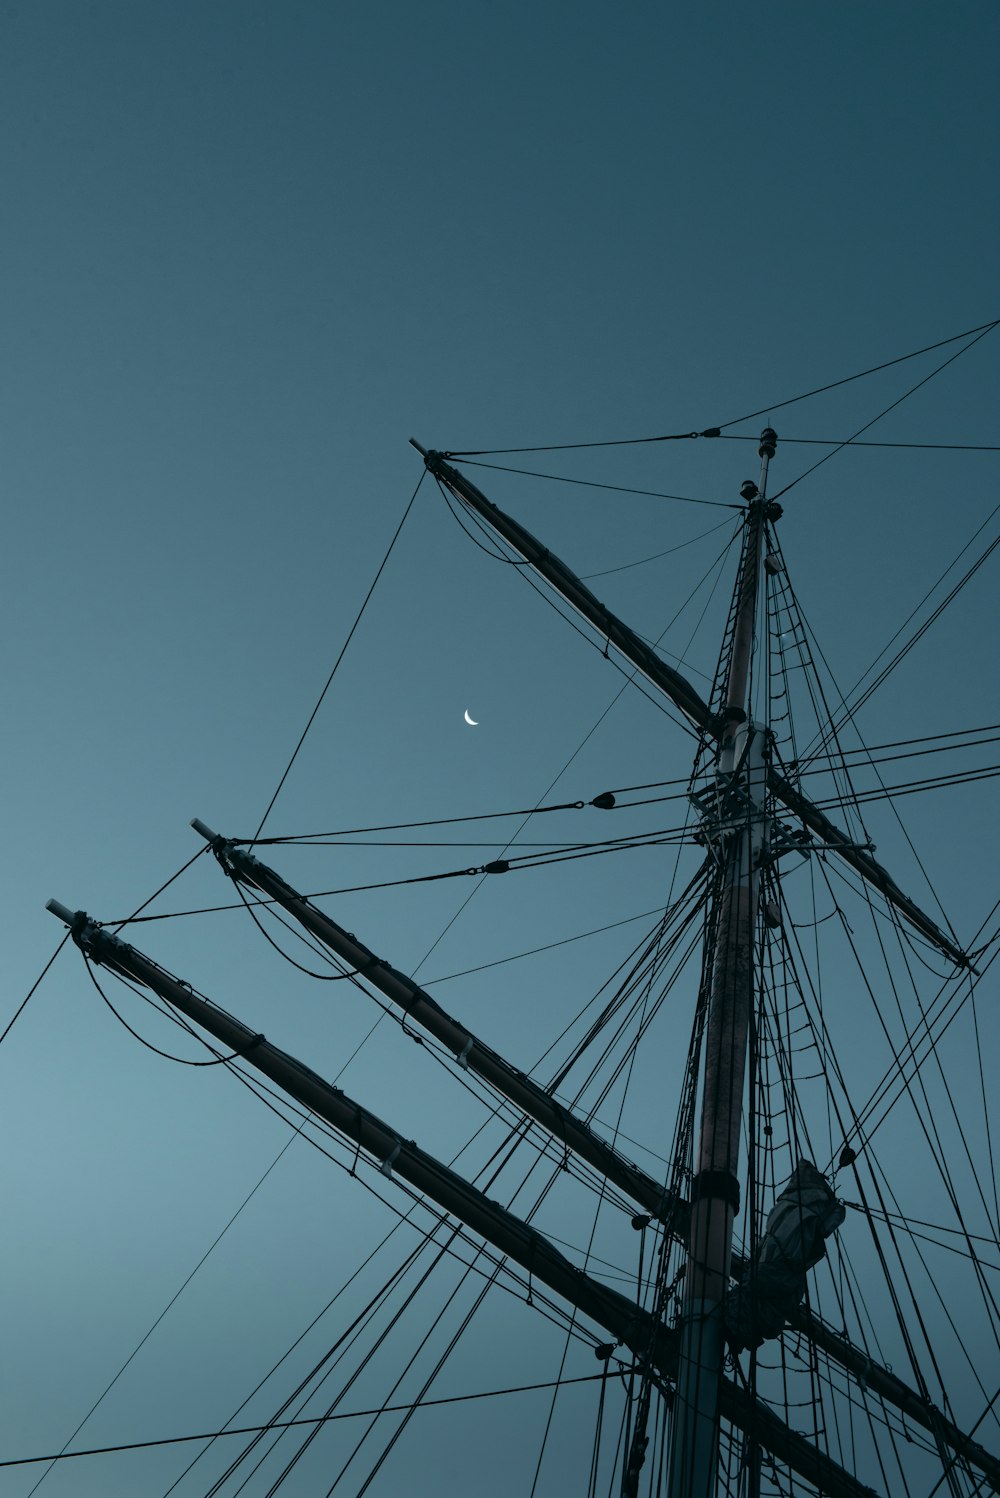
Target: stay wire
(502, 1156)
(919, 633)
(590, 1244)
(560, 447)
(668, 835)
(767, 410)
(789, 767)
(33, 989)
(339, 1347)
(343, 651)
(910, 1224)
(928, 1127)
(963, 447)
(806, 766)
(408, 826)
(419, 1402)
(986, 327)
(261, 1092)
(833, 731)
(906, 1052)
(366, 1358)
(587, 577)
(820, 740)
(63, 1453)
(986, 1110)
(877, 1171)
(905, 788)
(862, 757)
(26, 1461)
(200, 1039)
(456, 1231)
(119, 925)
(548, 947)
(440, 1219)
(563, 478)
(891, 407)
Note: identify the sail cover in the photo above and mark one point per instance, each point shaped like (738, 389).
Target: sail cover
(773, 1282)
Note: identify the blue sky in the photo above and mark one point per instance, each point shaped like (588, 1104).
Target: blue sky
(249, 250)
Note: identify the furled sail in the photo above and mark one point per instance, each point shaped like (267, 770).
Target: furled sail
(773, 1282)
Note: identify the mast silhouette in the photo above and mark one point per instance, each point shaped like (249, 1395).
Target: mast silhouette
(738, 831)
(685, 1363)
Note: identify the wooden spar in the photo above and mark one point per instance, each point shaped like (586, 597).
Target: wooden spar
(629, 1323)
(467, 1048)
(862, 863)
(565, 581)
(684, 696)
(694, 1429)
(393, 1154)
(420, 1008)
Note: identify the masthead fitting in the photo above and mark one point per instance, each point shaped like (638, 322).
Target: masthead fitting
(67, 916)
(768, 442)
(205, 832)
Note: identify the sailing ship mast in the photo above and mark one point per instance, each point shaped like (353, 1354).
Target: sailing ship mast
(739, 835)
(686, 1364)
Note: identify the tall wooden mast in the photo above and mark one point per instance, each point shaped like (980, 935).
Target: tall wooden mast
(738, 836)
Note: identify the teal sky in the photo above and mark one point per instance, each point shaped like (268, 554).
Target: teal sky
(248, 250)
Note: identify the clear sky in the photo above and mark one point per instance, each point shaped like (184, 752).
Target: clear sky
(248, 250)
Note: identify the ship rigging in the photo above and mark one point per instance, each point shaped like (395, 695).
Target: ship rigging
(721, 1342)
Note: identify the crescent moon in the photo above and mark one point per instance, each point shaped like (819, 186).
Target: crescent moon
(472, 722)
